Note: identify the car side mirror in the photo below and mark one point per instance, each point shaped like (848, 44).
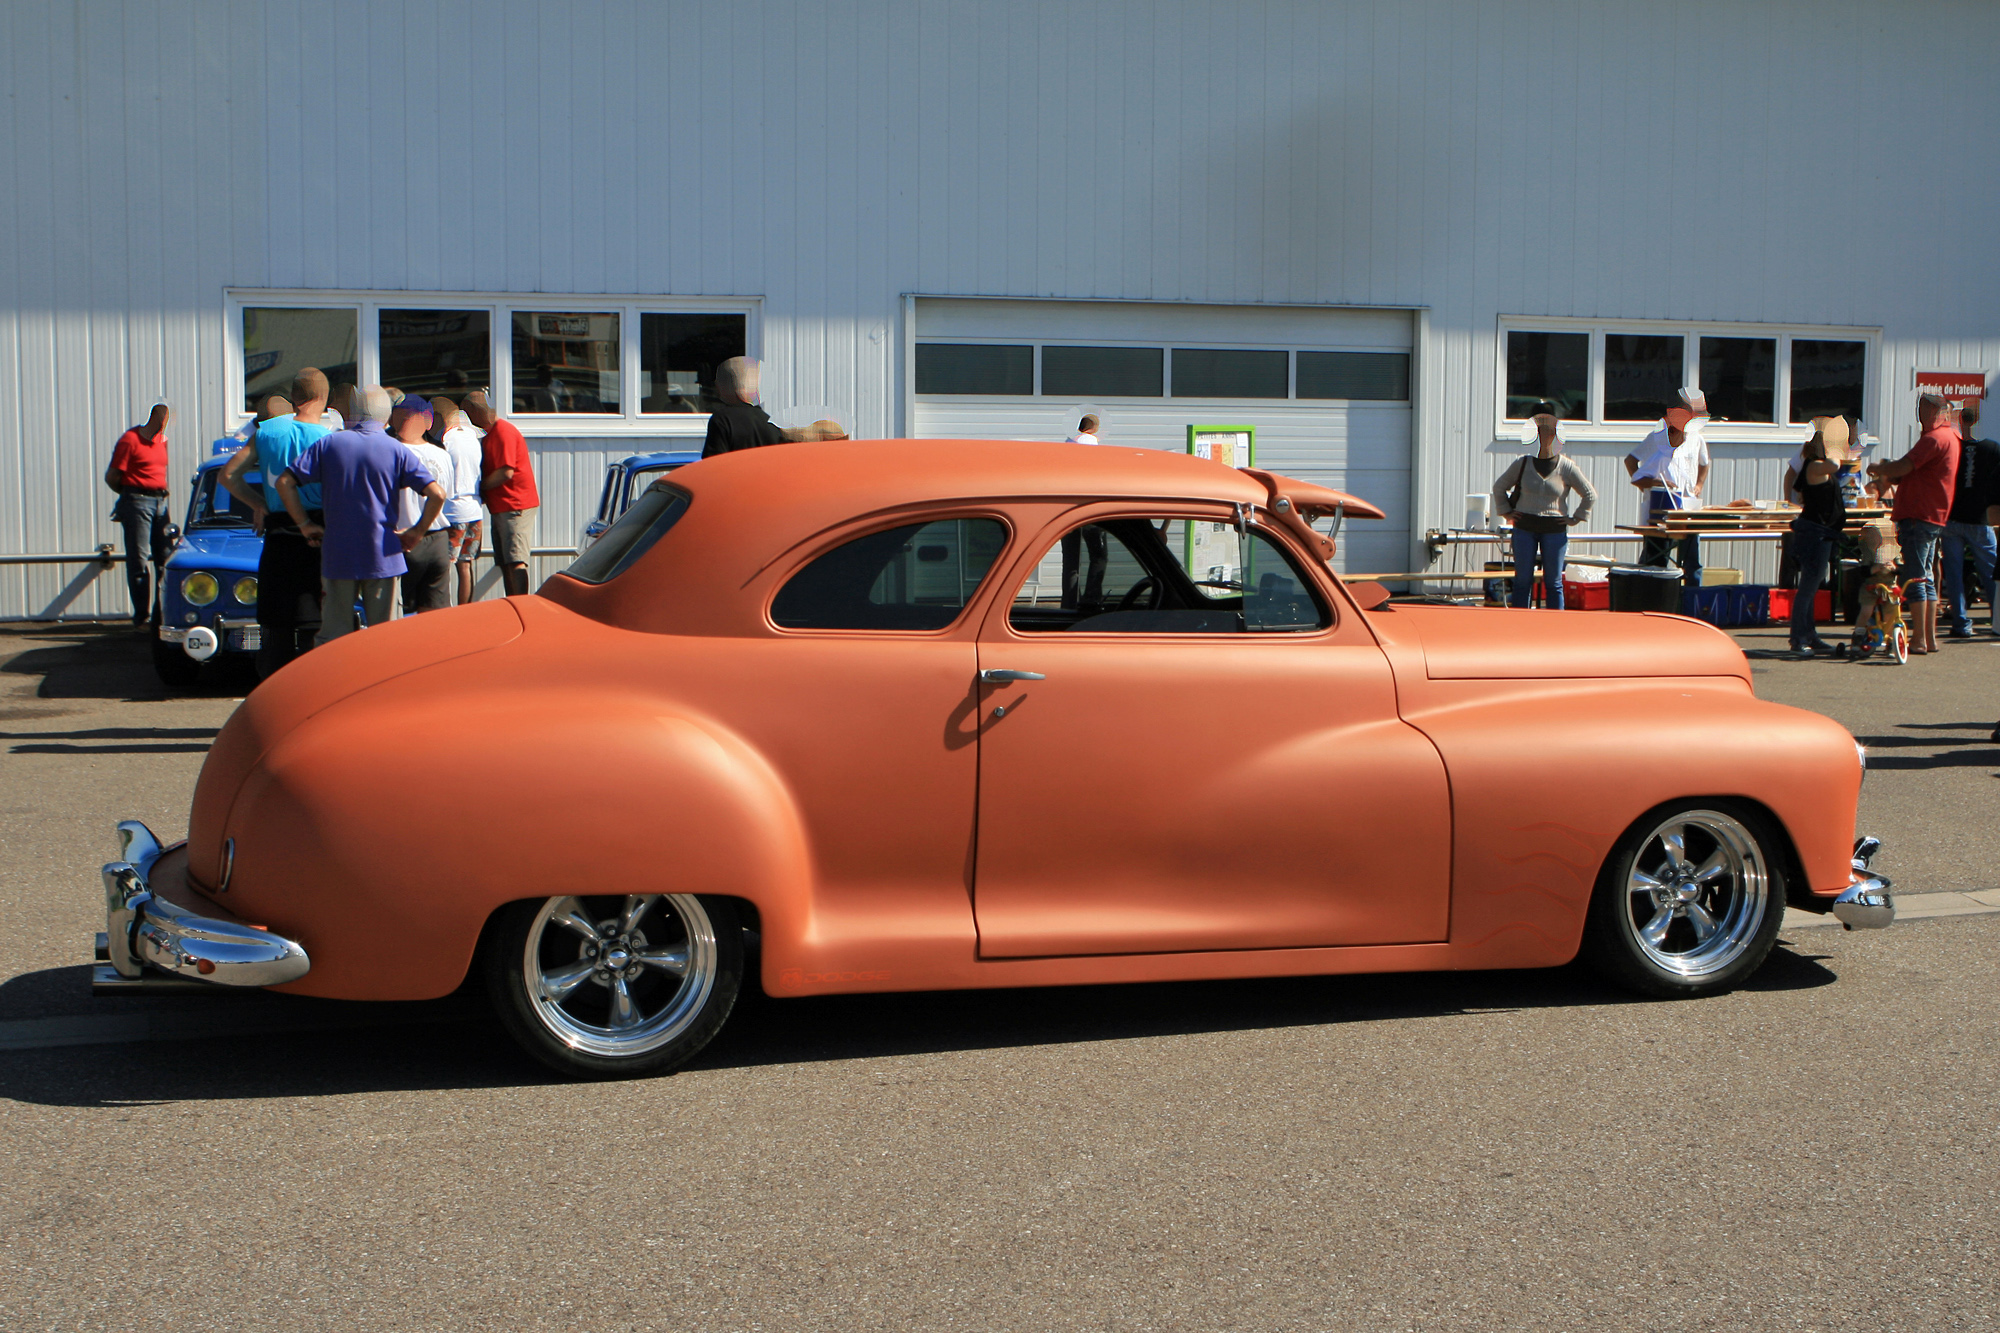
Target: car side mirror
(173, 534)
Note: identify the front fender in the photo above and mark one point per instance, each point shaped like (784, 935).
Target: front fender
(383, 832)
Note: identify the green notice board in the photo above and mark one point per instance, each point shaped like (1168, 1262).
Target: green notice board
(1213, 551)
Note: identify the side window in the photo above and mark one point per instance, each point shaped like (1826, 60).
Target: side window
(917, 577)
(1166, 576)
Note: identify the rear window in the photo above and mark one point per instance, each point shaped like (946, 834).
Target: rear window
(917, 577)
(632, 535)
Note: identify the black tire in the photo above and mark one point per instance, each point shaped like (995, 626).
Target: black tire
(1728, 881)
(175, 668)
(622, 1011)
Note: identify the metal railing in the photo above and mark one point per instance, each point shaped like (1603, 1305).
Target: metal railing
(103, 555)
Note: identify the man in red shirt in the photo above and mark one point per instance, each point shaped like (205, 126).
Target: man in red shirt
(508, 488)
(1925, 477)
(138, 472)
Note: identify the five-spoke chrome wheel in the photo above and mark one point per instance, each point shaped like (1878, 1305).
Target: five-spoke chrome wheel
(616, 984)
(1691, 900)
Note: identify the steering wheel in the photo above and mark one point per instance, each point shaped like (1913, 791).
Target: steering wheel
(1146, 585)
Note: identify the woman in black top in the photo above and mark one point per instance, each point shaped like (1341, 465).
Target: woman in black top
(1822, 516)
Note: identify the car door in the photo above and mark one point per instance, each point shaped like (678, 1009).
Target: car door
(1166, 766)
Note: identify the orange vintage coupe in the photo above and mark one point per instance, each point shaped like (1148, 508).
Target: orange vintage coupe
(910, 715)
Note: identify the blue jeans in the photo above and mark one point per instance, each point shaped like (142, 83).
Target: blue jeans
(1812, 548)
(1550, 547)
(1957, 538)
(144, 519)
(1919, 541)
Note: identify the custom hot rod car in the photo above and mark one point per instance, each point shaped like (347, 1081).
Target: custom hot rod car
(859, 716)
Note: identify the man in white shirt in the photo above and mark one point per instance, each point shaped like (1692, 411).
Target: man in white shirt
(427, 583)
(462, 510)
(1086, 431)
(1083, 586)
(1670, 468)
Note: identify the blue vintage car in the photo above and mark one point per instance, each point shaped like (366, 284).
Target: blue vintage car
(208, 592)
(624, 480)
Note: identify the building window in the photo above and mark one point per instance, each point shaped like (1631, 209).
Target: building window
(678, 355)
(1827, 378)
(280, 341)
(1104, 372)
(980, 368)
(1643, 375)
(1373, 376)
(1229, 373)
(436, 351)
(1548, 367)
(566, 361)
(1739, 377)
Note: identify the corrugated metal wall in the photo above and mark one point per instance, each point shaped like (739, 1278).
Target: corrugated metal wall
(1816, 161)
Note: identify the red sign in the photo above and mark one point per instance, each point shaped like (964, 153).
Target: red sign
(1953, 385)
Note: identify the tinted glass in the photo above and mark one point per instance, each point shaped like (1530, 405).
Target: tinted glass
(1740, 378)
(1166, 576)
(975, 368)
(678, 355)
(1103, 372)
(565, 362)
(1201, 372)
(1827, 378)
(1383, 376)
(279, 342)
(1551, 366)
(910, 578)
(634, 534)
(436, 351)
(1643, 374)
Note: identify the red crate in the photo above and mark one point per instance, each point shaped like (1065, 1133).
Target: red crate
(1781, 606)
(1594, 596)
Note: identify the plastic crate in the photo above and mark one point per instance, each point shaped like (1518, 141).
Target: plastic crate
(1729, 606)
(1781, 606)
(1594, 596)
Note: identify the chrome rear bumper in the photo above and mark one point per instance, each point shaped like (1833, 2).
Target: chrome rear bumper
(146, 937)
(1867, 904)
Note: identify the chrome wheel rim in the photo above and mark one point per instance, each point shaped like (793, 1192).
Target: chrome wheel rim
(1697, 893)
(619, 976)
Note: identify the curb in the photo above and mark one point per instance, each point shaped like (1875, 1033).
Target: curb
(1912, 907)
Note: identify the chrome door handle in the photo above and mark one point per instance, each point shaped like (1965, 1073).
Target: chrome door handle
(1002, 676)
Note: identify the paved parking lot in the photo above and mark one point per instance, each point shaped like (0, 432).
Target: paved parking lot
(1476, 1151)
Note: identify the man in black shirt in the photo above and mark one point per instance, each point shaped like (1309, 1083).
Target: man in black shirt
(1978, 487)
(739, 423)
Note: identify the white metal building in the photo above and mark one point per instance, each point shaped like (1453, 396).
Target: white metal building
(1374, 231)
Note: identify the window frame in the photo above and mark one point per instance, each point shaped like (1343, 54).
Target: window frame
(1594, 426)
(500, 306)
(825, 543)
(1167, 347)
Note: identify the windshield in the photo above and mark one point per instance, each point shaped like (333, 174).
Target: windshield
(214, 506)
(632, 535)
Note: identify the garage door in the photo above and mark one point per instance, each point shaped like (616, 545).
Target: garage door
(1327, 389)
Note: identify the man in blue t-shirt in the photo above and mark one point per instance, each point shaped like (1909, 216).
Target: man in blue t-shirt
(288, 577)
(359, 470)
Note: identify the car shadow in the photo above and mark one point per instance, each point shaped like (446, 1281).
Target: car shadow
(99, 661)
(229, 1047)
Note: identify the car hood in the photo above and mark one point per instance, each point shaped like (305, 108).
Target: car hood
(317, 681)
(235, 549)
(1470, 643)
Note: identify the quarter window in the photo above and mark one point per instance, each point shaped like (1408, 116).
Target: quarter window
(916, 577)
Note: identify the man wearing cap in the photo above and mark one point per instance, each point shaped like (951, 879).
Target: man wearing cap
(138, 473)
(1670, 468)
(427, 581)
(1925, 480)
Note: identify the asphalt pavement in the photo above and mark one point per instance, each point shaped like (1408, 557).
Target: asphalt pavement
(1500, 1150)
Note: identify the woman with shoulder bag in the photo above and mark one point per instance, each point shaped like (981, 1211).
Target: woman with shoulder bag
(1822, 518)
(1532, 494)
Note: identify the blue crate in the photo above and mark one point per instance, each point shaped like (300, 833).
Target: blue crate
(1729, 605)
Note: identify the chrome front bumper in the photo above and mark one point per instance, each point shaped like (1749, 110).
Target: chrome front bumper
(1867, 904)
(148, 939)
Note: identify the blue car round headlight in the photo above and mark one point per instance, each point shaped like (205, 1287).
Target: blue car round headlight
(200, 588)
(245, 590)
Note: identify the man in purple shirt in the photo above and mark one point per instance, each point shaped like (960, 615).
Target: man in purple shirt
(359, 471)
